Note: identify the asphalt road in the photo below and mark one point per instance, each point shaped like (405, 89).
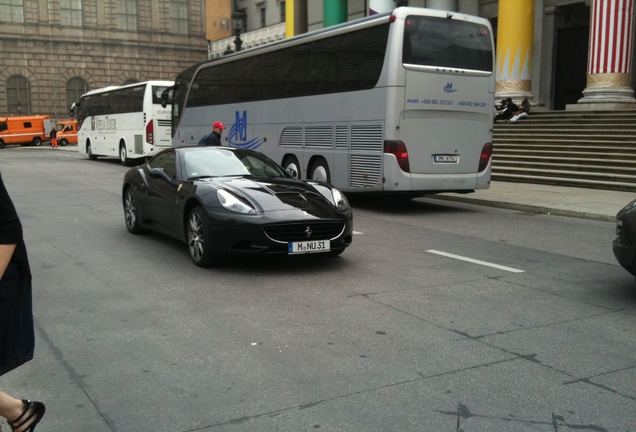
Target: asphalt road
(441, 316)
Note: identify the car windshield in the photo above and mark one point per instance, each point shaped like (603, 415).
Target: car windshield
(212, 162)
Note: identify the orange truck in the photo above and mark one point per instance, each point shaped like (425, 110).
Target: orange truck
(24, 130)
(67, 132)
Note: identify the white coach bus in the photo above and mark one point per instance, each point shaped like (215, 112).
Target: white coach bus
(399, 104)
(128, 122)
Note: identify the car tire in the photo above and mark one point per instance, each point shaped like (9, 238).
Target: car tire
(320, 171)
(63, 142)
(199, 238)
(1, 144)
(291, 163)
(131, 213)
(37, 141)
(89, 151)
(123, 155)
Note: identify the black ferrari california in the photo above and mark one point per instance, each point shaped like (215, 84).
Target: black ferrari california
(222, 201)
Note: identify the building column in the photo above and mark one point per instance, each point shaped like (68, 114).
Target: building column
(515, 37)
(609, 59)
(335, 12)
(295, 17)
(449, 5)
(380, 6)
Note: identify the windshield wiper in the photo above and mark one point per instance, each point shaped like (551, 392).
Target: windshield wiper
(200, 177)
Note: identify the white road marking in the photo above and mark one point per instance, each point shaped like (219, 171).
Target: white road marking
(474, 261)
(357, 232)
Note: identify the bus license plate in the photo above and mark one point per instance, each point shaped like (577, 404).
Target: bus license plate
(308, 246)
(445, 158)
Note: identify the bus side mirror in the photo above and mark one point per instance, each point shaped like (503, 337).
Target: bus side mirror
(166, 96)
(72, 111)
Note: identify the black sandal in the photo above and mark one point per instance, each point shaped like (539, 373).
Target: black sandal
(31, 418)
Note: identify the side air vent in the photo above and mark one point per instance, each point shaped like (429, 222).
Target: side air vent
(292, 136)
(365, 171)
(319, 136)
(366, 138)
(342, 137)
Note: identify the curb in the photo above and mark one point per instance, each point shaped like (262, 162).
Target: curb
(528, 208)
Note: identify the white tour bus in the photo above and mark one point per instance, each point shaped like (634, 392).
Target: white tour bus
(128, 122)
(399, 104)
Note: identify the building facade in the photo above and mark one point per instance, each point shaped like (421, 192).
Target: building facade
(53, 51)
(557, 37)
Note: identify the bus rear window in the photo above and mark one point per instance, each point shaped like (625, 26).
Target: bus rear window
(447, 43)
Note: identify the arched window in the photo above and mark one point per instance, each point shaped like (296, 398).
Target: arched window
(75, 87)
(18, 95)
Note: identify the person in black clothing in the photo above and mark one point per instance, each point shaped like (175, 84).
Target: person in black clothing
(506, 109)
(17, 336)
(524, 110)
(213, 139)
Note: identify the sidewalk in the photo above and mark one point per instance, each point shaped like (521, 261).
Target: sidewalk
(594, 204)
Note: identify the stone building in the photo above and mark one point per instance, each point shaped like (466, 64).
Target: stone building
(53, 51)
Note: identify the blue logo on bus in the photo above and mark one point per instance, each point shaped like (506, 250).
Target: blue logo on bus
(449, 88)
(238, 134)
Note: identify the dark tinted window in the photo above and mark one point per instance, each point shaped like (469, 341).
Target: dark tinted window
(165, 161)
(449, 43)
(179, 91)
(346, 62)
(119, 101)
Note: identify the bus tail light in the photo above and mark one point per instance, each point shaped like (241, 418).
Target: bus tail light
(486, 153)
(398, 149)
(150, 133)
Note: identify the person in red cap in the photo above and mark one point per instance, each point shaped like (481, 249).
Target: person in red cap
(213, 139)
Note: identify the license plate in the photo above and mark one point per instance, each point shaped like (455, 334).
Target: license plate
(445, 158)
(312, 246)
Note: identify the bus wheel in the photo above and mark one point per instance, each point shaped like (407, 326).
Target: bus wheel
(63, 142)
(89, 150)
(199, 238)
(320, 171)
(123, 155)
(37, 141)
(292, 166)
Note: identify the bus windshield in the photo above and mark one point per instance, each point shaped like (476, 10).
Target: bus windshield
(448, 43)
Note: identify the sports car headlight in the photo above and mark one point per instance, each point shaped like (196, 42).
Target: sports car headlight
(232, 203)
(341, 202)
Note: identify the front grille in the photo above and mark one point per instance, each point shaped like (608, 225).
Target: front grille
(298, 231)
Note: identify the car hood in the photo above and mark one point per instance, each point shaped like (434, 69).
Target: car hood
(280, 194)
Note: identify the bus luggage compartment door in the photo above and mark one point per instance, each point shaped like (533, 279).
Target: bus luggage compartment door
(139, 144)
